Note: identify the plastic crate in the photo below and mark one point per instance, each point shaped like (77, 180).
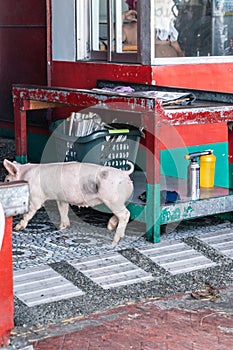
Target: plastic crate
(112, 147)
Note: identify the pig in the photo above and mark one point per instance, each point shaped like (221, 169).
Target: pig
(80, 184)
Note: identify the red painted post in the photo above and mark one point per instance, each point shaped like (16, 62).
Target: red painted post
(20, 131)
(153, 175)
(6, 286)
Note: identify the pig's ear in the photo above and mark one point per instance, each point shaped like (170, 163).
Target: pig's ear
(10, 167)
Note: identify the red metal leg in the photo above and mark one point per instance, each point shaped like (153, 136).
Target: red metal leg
(20, 132)
(6, 286)
(153, 179)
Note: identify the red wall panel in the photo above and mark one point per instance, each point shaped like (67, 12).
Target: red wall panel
(212, 77)
(22, 48)
(84, 74)
(22, 12)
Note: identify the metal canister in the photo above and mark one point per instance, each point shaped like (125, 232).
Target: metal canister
(207, 170)
(193, 186)
(193, 183)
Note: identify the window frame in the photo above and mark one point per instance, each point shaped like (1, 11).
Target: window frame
(142, 55)
(145, 54)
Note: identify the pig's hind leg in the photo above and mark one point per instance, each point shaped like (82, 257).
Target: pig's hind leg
(123, 219)
(63, 208)
(121, 215)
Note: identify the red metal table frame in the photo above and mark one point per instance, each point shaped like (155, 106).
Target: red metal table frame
(27, 98)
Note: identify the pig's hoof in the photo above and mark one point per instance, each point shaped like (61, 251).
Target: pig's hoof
(18, 227)
(113, 245)
(63, 226)
(118, 237)
(115, 241)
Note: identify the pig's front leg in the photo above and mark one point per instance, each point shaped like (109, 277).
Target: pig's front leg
(63, 208)
(26, 217)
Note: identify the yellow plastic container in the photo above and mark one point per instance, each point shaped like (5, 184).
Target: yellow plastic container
(207, 170)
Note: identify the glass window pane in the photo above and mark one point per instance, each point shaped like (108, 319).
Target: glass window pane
(129, 27)
(179, 28)
(193, 28)
(122, 29)
(194, 24)
(222, 43)
(166, 32)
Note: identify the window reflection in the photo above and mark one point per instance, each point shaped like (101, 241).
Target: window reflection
(222, 26)
(194, 21)
(205, 27)
(123, 26)
(166, 33)
(182, 28)
(129, 23)
(229, 49)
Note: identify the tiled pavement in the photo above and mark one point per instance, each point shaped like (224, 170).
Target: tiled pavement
(177, 322)
(39, 284)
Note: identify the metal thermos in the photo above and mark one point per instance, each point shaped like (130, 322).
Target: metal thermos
(193, 189)
(193, 181)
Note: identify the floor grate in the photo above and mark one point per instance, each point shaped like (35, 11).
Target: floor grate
(221, 241)
(111, 270)
(40, 285)
(176, 257)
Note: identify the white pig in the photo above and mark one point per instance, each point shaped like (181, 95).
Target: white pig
(80, 184)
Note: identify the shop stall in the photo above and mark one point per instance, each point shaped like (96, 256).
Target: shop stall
(172, 130)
